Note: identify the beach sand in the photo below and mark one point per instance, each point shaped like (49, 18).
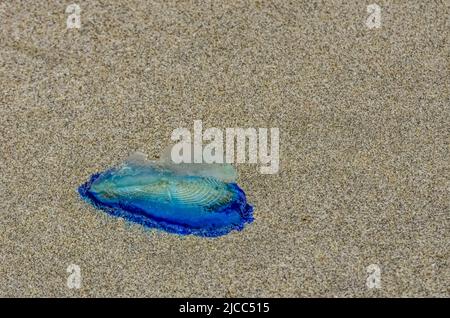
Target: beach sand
(364, 149)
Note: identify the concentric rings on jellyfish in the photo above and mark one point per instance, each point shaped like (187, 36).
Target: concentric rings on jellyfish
(206, 193)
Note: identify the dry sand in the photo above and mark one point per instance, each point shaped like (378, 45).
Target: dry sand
(364, 121)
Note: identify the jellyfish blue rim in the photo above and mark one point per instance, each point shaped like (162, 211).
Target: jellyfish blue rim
(136, 215)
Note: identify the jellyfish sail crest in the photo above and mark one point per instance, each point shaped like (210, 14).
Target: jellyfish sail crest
(222, 171)
(137, 157)
(179, 198)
